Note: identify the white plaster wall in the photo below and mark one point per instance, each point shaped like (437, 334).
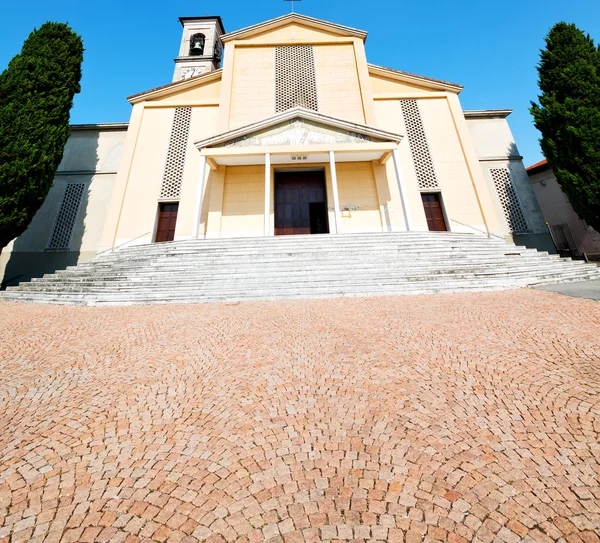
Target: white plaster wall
(496, 148)
(492, 137)
(92, 157)
(91, 150)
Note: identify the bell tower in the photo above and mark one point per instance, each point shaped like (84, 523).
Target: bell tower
(201, 48)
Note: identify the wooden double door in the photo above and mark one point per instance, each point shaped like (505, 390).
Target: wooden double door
(433, 212)
(300, 203)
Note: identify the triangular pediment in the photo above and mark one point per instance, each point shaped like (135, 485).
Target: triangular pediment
(289, 21)
(298, 132)
(298, 127)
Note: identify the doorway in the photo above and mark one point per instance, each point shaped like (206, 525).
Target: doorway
(300, 203)
(167, 221)
(434, 212)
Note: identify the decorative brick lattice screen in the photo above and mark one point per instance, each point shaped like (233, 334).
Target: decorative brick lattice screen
(295, 78)
(67, 214)
(509, 200)
(419, 148)
(180, 131)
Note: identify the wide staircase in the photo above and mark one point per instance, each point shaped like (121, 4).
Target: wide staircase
(227, 270)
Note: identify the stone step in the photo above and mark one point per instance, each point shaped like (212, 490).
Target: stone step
(140, 280)
(300, 267)
(268, 257)
(311, 239)
(308, 270)
(309, 283)
(324, 252)
(398, 290)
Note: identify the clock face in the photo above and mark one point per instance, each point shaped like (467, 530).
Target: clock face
(186, 73)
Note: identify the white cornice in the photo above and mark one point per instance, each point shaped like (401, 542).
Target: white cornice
(487, 113)
(99, 127)
(421, 80)
(176, 86)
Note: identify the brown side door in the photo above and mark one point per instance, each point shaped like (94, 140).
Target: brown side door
(167, 220)
(300, 203)
(434, 213)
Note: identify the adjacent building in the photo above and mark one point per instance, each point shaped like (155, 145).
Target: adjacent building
(281, 128)
(571, 234)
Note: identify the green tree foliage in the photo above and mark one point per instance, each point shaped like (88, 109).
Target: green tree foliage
(568, 116)
(36, 96)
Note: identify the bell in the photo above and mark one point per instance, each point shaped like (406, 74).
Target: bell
(197, 45)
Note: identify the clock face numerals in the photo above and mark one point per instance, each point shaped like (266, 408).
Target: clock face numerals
(186, 73)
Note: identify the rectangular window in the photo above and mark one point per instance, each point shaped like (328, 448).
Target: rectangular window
(295, 78)
(66, 217)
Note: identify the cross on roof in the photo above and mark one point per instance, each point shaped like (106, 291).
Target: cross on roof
(293, 3)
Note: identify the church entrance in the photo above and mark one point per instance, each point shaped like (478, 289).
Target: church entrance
(300, 203)
(433, 212)
(167, 220)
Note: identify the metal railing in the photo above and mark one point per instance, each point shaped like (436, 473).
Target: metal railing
(488, 234)
(113, 249)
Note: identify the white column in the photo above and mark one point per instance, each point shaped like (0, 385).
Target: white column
(401, 189)
(199, 197)
(334, 189)
(267, 194)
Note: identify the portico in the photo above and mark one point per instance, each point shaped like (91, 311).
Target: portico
(300, 141)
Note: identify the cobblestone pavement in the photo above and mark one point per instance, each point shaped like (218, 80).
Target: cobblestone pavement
(471, 417)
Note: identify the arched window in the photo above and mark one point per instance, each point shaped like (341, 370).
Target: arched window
(197, 45)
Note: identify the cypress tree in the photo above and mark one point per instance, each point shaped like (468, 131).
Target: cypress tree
(568, 116)
(36, 96)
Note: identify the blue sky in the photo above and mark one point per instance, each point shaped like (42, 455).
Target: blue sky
(491, 48)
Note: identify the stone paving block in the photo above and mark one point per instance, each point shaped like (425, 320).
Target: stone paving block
(466, 417)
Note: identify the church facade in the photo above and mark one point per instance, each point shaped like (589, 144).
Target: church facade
(296, 133)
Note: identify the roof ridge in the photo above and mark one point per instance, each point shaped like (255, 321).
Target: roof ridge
(393, 70)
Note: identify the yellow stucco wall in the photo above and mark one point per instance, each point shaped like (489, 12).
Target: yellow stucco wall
(356, 187)
(252, 91)
(204, 124)
(243, 201)
(209, 92)
(389, 117)
(337, 82)
(382, 85)
(138, 213)
(140, 203)
(294, 33)
(465, 196)
(450, 164)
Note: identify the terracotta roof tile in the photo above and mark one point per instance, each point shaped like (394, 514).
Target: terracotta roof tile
(537, 165)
